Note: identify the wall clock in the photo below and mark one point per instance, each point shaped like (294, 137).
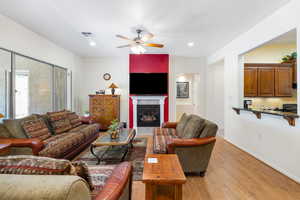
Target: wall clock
(106, 76)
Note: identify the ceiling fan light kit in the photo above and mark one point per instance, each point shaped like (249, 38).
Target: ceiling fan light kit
(137, 44)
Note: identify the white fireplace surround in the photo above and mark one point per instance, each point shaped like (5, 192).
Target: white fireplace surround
(147, 100)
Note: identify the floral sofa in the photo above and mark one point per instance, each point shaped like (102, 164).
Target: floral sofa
(34, 177)
(59, 134)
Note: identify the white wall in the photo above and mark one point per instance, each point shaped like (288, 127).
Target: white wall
(92, 80)
(270, 139)
(215, 94)
(18, 38)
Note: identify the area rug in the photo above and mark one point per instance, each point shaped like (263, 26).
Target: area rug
(135, 155)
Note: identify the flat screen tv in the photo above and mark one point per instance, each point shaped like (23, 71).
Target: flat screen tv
(148, 83)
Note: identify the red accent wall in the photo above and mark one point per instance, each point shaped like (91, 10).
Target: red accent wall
(148, 63)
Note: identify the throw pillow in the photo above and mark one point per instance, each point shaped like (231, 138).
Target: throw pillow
(82, 170)
(193, 127)
(36, 129)
(15, 128)
(35, 165)
(74, 119)
(181, 124)
(59, 121)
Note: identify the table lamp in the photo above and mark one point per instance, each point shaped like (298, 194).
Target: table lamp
(1, 116)
(113, 87)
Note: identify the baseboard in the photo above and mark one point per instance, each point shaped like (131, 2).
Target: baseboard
(267, 162)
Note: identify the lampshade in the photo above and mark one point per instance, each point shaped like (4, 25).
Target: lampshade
(1, 116)
(113, 86)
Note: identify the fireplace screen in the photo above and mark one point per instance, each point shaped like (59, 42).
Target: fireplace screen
(148, 115)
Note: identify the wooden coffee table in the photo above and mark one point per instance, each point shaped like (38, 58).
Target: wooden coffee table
(163, 179)
(125, 139)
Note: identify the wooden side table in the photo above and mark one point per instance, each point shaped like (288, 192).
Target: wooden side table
(163, 179)
(4, 149)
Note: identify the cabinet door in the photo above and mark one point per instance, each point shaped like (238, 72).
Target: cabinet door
(266, 76)
(283, 81)
(250, 82)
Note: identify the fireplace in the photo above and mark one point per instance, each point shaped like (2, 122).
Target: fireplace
(148, 115)
(148, 111)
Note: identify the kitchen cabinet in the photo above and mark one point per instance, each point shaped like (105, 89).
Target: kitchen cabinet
(268, 80)
(283, 81)
(250, 82)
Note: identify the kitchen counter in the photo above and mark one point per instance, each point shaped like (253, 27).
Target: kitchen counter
(290, 117)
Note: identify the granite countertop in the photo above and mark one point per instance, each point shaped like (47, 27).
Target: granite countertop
(271, 112)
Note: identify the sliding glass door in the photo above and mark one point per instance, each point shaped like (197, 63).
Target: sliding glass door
(33, 87)
(29, 86)
(5, 70)
(60, 88)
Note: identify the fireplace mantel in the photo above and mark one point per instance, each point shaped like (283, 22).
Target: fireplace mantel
(149, 100)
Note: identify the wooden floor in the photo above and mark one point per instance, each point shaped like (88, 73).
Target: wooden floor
(233, 175)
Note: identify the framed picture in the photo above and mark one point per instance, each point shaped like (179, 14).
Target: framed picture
(182, 89)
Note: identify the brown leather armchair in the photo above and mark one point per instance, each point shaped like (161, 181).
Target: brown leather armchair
(194, 154)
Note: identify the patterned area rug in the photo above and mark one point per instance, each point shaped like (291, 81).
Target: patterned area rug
(114, 155)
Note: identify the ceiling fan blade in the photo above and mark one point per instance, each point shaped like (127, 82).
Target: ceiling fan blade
(122, 46)
(153, 45)
(123, 37)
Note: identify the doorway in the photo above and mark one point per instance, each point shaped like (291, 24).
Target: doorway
(22, 94)
(187, 94)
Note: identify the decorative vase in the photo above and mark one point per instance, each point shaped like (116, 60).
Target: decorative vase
(114, 134)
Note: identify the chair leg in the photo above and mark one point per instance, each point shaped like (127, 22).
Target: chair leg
(202, 174)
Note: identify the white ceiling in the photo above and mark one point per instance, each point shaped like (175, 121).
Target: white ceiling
(210, 24)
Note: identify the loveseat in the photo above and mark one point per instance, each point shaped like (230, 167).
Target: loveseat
(59, 134)
(192, 139)
(35, 178)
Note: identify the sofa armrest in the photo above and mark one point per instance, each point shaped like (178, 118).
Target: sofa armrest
(169, 125)
(182, 142)
(54, 187)
(35, 144)
(116, 183)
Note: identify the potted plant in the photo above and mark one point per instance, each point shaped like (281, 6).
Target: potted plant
(290, 58)
(114, 129)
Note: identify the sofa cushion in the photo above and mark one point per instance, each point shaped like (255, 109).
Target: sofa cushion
(36, 129)
(74, 119)
(25, 164)
(210, 129)
(57, 146)
(193, 127)
(86, 129)
(160, 138)
(15, 128)
(59, 121)
(182, 123)
(46, 119)
(99, 175)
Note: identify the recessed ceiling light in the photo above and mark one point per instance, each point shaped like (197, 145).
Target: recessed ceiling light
(89, 37)
(190, 44)
(92, 43)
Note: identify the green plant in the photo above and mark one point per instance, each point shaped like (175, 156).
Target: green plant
(289, 58)
(114, 125)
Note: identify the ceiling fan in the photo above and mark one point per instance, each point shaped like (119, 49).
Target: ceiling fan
(138, 42)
